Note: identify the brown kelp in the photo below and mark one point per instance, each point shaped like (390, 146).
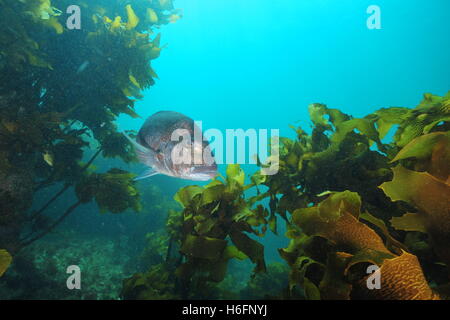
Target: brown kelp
(5, 261)
(212, 216)
(426, 188)
(360, 197)
(61, 90)
(344, 225)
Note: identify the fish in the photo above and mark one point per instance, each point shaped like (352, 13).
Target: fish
(172, 144)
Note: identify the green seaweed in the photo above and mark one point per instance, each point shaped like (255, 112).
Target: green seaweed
(213, 217)
(49, 126)
(5, 261)
(113, 191)
(343, 192)
(155, 284)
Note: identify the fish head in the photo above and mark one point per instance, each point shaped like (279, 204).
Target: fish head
(194, 161)
(207, 170)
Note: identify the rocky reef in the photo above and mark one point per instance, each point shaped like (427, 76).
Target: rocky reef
(40, 270)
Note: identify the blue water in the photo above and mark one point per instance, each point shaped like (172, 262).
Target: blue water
(259, 63)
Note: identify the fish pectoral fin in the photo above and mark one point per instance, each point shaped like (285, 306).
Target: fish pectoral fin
(146, 174)
(138, 147)
(144, 155)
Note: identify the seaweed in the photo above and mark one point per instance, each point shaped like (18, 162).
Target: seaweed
(353, 192)
(268, 285)
(427, 190)
(333, 236)
(352, 202)
(216, 225)
(5, 261)
(352, 247)
(51, 114)
(155, 284)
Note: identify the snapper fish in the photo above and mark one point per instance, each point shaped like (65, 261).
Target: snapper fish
(170, 143)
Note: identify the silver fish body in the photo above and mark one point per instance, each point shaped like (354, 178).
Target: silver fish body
(170, 143)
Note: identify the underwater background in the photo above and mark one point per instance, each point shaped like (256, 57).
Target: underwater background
(261, 64)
